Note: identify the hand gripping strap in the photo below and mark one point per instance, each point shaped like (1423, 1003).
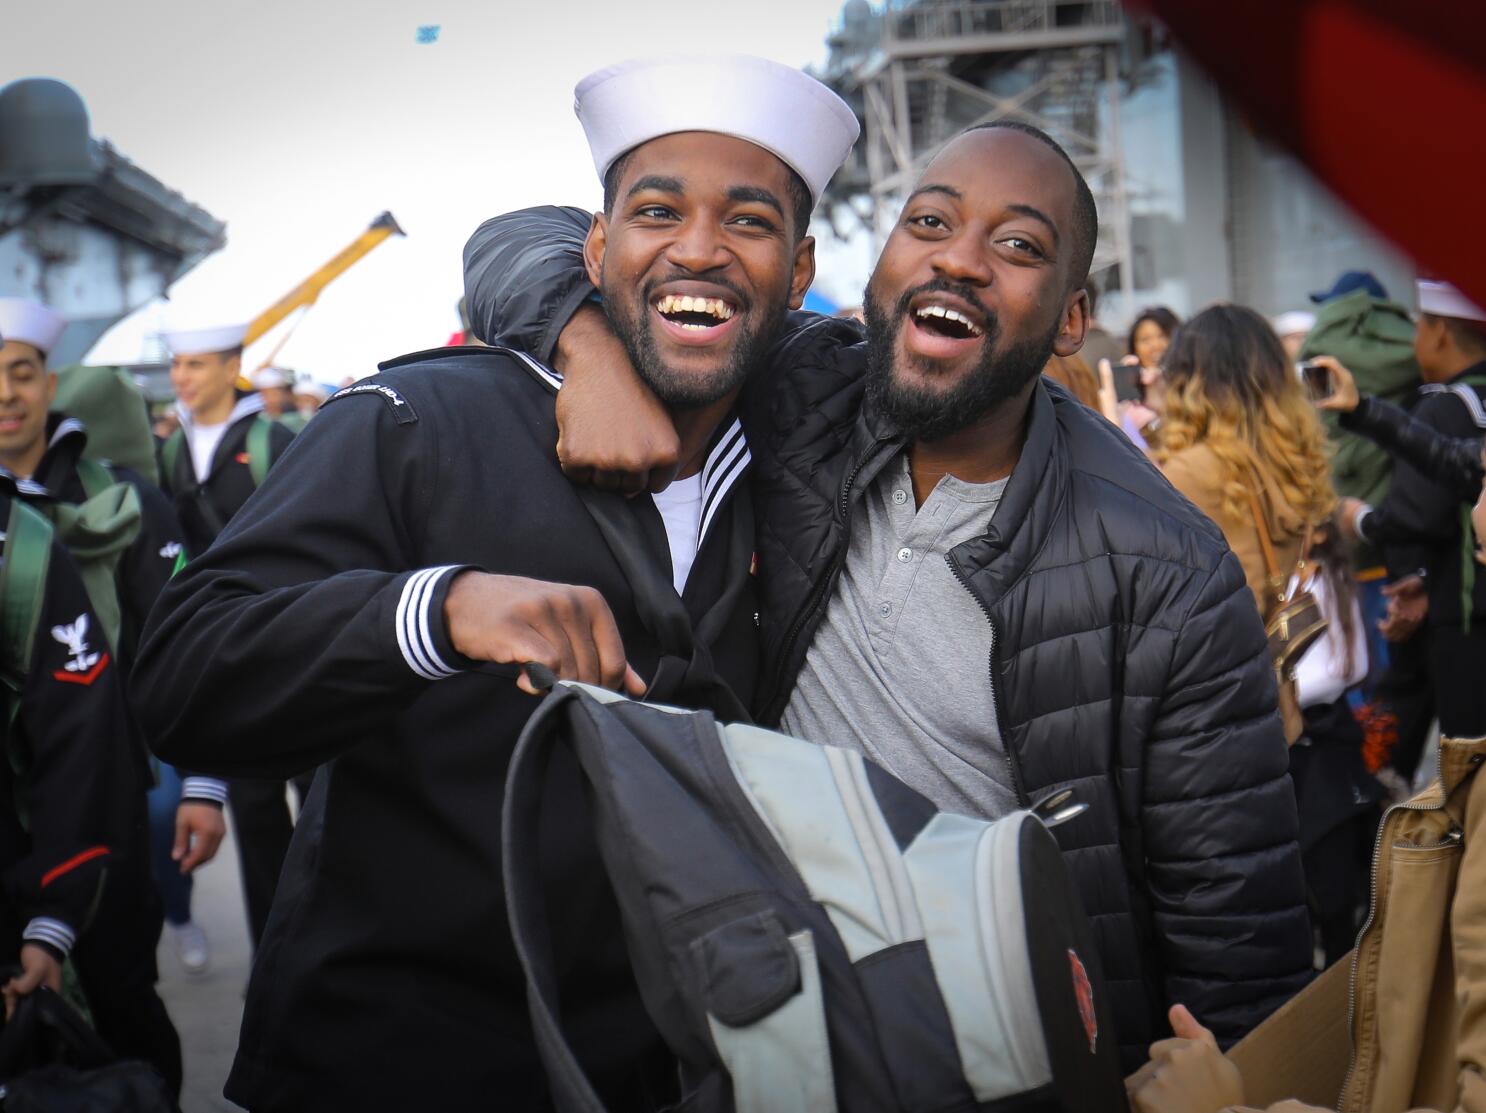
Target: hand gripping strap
(525, 906)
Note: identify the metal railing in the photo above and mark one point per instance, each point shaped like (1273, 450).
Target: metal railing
(919, 20)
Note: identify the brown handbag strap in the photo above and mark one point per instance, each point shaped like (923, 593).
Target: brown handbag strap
(1270, 562)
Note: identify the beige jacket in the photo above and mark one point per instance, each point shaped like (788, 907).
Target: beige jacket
(1419, 971)
(1195, 472)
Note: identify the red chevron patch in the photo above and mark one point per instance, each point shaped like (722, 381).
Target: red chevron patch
(83, 678)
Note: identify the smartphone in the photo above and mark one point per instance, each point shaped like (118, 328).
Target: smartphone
(1317, 380)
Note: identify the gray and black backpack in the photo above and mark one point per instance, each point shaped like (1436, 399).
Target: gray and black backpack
(809, 934)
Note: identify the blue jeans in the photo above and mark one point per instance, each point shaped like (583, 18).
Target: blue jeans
(174, 886)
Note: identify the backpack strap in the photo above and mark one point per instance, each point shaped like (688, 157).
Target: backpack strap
(526, 906)
(258, 449)
(170, 455)
(23, 576)
(28, 554)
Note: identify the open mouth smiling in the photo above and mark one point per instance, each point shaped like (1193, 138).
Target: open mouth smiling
(943, 320)
(695, 313)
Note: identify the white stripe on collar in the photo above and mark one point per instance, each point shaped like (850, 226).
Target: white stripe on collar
(726, 463)
(65, 427)
(247, 405)
(546, 374)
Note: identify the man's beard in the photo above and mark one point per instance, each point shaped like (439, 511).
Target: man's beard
(924, 414)
(678, 390)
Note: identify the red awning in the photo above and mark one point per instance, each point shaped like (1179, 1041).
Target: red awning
(1384, 100)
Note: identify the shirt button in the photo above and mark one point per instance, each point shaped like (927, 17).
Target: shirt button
(885, 609)
(900, 496)
(905, 555)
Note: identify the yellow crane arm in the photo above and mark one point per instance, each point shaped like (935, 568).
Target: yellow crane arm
(307, 291)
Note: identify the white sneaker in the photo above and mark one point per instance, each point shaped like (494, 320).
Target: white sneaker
(191, 947)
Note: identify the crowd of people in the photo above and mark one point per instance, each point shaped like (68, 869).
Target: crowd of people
(1220, 579)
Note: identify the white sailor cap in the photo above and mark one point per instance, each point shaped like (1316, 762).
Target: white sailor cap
(266, 378)
(204, 341)
(30, 322)
(1294, 322)
(1440, 299)
(781, 109)
(312, 389)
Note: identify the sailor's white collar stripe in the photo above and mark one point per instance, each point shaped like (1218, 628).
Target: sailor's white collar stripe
(546, 374)
(66, 427)
(204, 788)
(251, 404)
(726, 462)
(24, 486)
(414, 637)
(44, 929)
(1465, 394)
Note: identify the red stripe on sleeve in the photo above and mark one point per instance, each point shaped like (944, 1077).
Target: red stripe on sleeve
(72, 864)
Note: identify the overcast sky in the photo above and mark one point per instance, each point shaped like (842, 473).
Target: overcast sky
(297, 123)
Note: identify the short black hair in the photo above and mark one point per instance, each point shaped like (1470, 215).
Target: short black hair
(799, 193)
(1468, 336)
(1086, 212)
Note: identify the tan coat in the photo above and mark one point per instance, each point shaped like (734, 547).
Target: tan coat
(1419, 987)
(1196, 473)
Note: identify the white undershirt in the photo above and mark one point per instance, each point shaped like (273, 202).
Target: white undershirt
(204, 440)
(680, 507)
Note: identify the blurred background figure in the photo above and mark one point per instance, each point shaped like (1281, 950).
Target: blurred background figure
(1445, 598)
(309, 396)
(1292, 329)
(274, 386)
(1150, 336)
(1373, 336)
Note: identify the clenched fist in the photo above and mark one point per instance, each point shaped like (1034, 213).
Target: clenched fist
(510, 620)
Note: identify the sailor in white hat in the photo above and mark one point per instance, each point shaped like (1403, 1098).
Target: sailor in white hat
(1429, 518)
(44, 458)
(273, 385)
(711, 168)
(355, 592)
(27, 388)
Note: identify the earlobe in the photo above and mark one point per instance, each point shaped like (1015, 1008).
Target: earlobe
(594, 245)
(1075, 326)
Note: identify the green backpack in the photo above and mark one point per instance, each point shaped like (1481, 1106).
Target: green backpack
(114, 410)
(97, 532)
(258, 450)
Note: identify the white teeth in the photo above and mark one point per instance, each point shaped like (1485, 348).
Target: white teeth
(949, 315)
(683, 303)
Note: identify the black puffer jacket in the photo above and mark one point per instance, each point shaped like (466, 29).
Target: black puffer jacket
(1130, 660)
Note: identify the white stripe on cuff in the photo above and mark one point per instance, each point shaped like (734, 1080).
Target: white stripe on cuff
(413, 635)
(44, 929)
(204, 788)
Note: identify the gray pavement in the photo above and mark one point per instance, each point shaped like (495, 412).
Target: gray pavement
(207, 1010)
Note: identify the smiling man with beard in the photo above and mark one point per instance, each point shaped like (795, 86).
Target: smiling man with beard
(981, 583)
(416, 548)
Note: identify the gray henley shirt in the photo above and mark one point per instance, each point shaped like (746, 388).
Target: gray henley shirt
(900, 666)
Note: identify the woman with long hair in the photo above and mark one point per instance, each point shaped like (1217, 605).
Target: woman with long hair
(1238, 424)
(1150, 336)
(1242, 441)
